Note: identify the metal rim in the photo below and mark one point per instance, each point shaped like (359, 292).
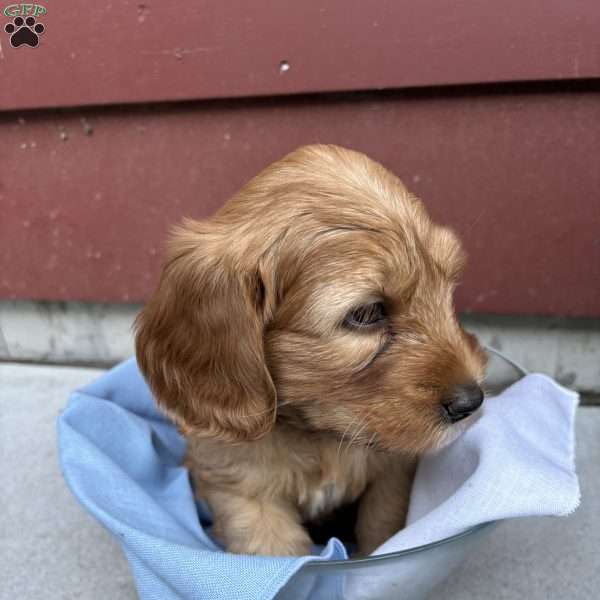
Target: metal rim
(392, 556)
(513, 363)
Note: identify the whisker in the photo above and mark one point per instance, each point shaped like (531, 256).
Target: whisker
(339, 448)
(356, 434)
(371, 439)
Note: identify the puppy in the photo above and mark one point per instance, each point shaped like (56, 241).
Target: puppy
(304, 341)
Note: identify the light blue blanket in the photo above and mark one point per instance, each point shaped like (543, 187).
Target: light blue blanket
(121, 458)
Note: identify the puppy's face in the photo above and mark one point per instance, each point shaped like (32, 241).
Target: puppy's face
(321, 295)
(366, 344)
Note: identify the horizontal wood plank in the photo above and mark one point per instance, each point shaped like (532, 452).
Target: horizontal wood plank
(86, 197)
(145, 51)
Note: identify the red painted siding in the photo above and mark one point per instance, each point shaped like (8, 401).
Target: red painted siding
(84, 214)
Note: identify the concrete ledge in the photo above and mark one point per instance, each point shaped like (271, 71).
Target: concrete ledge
(566, 349)
(66, 332)
(100, 334)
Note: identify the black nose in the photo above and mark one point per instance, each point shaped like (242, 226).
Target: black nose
(464, 401)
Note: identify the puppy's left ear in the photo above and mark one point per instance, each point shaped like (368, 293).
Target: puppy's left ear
(199, 339)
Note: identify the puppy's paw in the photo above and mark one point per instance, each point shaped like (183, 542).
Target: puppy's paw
(290, 543)
(264, 526)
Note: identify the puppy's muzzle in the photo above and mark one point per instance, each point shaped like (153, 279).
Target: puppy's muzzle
(464, 401)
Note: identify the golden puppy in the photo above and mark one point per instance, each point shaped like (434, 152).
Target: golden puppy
(304, 340)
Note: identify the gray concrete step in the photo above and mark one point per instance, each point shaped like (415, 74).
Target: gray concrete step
(50, 549)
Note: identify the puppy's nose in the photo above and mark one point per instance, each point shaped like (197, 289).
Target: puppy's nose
(464, 401)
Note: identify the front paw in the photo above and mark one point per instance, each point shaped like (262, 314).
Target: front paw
(258, 526)
(266, 543)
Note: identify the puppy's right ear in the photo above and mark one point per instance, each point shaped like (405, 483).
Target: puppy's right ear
(199, 339)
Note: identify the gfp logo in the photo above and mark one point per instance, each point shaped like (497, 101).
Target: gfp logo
(25, 29)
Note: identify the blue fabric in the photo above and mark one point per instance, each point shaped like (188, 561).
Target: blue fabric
(121, 458)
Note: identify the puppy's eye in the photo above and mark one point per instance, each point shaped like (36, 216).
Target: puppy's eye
(368, 315)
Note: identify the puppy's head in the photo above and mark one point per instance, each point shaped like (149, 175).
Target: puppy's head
(322, 294)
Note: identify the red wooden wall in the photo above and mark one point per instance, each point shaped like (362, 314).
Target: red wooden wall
(87, 193)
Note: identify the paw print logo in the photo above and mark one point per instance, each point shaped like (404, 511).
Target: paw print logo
(24, 32)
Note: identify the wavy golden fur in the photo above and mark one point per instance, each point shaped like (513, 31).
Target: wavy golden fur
(291, 409)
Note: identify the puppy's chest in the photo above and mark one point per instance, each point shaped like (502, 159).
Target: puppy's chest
(330, 484)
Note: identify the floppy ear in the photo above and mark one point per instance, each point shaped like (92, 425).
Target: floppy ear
(199, 340)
